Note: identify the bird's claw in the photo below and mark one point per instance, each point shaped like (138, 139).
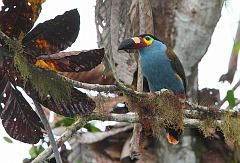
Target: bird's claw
(163, 91)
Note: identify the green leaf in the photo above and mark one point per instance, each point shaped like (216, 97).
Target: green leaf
(65, 122)
(231, 98)
(35, 151)
(91, 128)
(7, 139)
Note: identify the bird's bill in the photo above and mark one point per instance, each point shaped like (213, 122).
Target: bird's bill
(132, 43)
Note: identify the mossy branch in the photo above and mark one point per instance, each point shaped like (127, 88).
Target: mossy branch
(70, 131)
(131, 118)
(192, 110)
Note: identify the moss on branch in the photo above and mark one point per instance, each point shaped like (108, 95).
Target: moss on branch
(45, 82)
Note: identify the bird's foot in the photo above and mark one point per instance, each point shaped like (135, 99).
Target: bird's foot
(163, 91)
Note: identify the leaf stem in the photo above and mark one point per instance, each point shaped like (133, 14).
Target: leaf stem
(49, 131)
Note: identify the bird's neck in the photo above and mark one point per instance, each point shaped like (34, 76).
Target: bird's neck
(153, 55)
(156, 46)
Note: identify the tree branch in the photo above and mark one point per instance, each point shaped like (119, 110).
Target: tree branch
(135, 141)
(95, 87)
(193, 110)
(70, 131)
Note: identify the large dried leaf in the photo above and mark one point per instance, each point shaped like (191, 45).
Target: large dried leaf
(208, 97)
(78, 104)
(74, 61)
(95, 76)
(53, 35)
(105, 147)
(18, 118)
(18, 16)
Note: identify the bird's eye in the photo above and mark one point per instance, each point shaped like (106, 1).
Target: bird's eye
(147, 38)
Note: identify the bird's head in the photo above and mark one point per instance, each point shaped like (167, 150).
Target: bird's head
(137, 42)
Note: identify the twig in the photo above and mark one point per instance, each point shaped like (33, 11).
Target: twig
(233, 62)
(135, 141)
(129, 91)
(137, 128)
(119, 87)
(70, 131)
(141, 30)
(129, 117)
(49, 131)
(95, 87)
(3, 38)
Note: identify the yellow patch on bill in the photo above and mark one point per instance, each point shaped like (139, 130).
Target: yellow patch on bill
(136, 40)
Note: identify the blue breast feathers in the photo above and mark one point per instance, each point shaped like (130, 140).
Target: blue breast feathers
(157, 69)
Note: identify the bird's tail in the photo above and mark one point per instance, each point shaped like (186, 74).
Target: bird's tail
(174, 133)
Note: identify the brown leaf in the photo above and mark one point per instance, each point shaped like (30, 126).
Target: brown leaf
(18, 17)
(95, 76)
(208, 97)
(18, 118)
(53, 35)
(74, 61)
